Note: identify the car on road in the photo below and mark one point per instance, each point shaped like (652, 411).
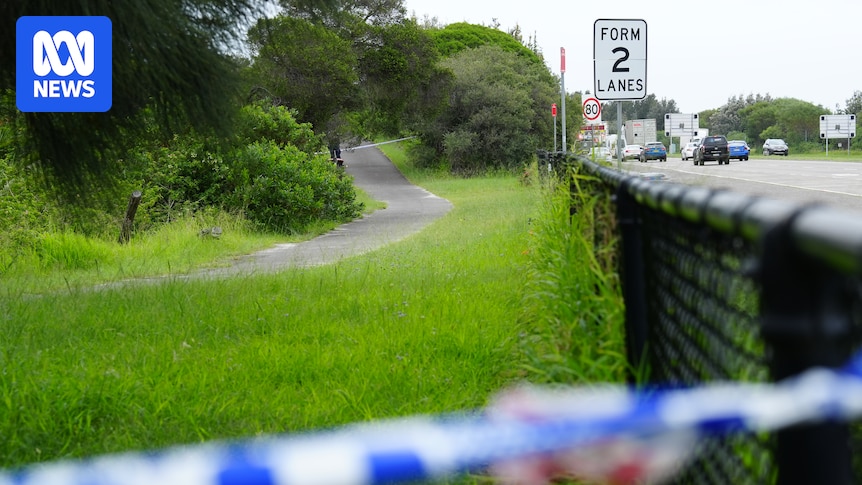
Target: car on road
(713, 147)
(654, 150)
(601, 153)
(688, 151)
(738, 149)
(632, 151)
(775, 146)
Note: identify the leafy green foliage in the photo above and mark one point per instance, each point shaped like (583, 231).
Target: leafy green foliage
(269, 172)
(497, 114)
(278, 124)
(346, 14)
(401, 79)
(167, 55)
(304, 66)
(179, 178)
(424, 326)
(458, 37)
(351, 68)
(281, 188)
(791, 119)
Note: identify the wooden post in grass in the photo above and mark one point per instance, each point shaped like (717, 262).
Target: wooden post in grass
(126, 232)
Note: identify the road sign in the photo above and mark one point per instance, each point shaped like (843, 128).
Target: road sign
(619, 59)
(592, 109)
(554, 110)
(837, 126)
(680, 124)
(562, 60)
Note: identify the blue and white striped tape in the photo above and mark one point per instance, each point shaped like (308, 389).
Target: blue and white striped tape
(522, 423)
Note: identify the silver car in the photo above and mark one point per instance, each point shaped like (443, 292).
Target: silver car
(775, 146)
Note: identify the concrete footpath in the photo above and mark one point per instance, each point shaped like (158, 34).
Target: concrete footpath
(408, 210)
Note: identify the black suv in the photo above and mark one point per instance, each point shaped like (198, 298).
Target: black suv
(712, 148)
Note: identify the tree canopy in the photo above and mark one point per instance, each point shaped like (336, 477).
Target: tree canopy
(457, 37)
(497, 113)
(349, 61)
(304, 66)
(168, 55)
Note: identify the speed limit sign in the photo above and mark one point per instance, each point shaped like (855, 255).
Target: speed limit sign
(592, 109)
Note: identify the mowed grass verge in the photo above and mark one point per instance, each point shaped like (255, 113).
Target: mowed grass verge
(427, 325)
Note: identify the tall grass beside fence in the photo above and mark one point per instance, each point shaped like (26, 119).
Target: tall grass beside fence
(572, 299)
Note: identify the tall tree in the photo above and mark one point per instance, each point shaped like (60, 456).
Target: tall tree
(854, 104)
(168, 55)
(305, 66)
(498, 110)
(728, 118)
(400, 77)
(346, 14)
(457, 37)
(395, 73)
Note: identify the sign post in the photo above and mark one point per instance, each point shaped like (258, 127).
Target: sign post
(563, 93)
(554, 115)
(837, 126)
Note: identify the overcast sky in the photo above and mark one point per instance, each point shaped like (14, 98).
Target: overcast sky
(809, 50)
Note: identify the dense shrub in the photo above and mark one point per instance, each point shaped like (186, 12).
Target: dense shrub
(284, 189)
(272, 171)
(181, 177)
(258, 122)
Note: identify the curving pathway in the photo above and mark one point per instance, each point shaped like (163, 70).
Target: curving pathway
(409, 209)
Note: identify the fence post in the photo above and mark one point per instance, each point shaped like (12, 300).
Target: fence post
(633, 278)
(806, 322)
(131, 209)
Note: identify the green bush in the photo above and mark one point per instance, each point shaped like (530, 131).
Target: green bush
(258, 122)
(269, 171)
(180, 177)
(285, 190)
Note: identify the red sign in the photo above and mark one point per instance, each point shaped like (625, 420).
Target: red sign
(554, 110)
(562, 59)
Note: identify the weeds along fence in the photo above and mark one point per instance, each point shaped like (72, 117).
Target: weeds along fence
(722, 286)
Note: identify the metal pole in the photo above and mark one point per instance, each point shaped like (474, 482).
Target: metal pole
(555, 133)
(619, 135)
(563, 108)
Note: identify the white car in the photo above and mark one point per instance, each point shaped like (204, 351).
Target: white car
(688, 151)
(601, 153)
(632, 151)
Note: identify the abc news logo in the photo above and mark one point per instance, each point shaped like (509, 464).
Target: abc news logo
(63, 64)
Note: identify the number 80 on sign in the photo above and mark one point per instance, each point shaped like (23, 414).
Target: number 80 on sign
(592, 109)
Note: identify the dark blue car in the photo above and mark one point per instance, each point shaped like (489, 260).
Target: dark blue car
(738, 149)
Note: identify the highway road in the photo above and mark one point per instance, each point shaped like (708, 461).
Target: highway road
(804, 181)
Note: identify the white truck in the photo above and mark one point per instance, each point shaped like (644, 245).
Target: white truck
(640, 132)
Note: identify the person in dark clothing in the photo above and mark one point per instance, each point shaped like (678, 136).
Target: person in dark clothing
(335, 153)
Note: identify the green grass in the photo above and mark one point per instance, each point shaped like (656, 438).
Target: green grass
(427, 325)
(497, 291)
(69, 260)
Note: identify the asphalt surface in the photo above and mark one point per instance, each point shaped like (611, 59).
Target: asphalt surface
(409, 209)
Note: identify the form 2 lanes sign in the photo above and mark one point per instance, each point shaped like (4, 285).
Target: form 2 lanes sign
(619, 59)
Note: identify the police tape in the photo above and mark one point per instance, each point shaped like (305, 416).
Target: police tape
(524, 436)
(371, 145)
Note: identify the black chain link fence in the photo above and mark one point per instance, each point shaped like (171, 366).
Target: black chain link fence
(721, 286)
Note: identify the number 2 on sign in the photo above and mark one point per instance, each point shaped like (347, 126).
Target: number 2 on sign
(622, 59)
